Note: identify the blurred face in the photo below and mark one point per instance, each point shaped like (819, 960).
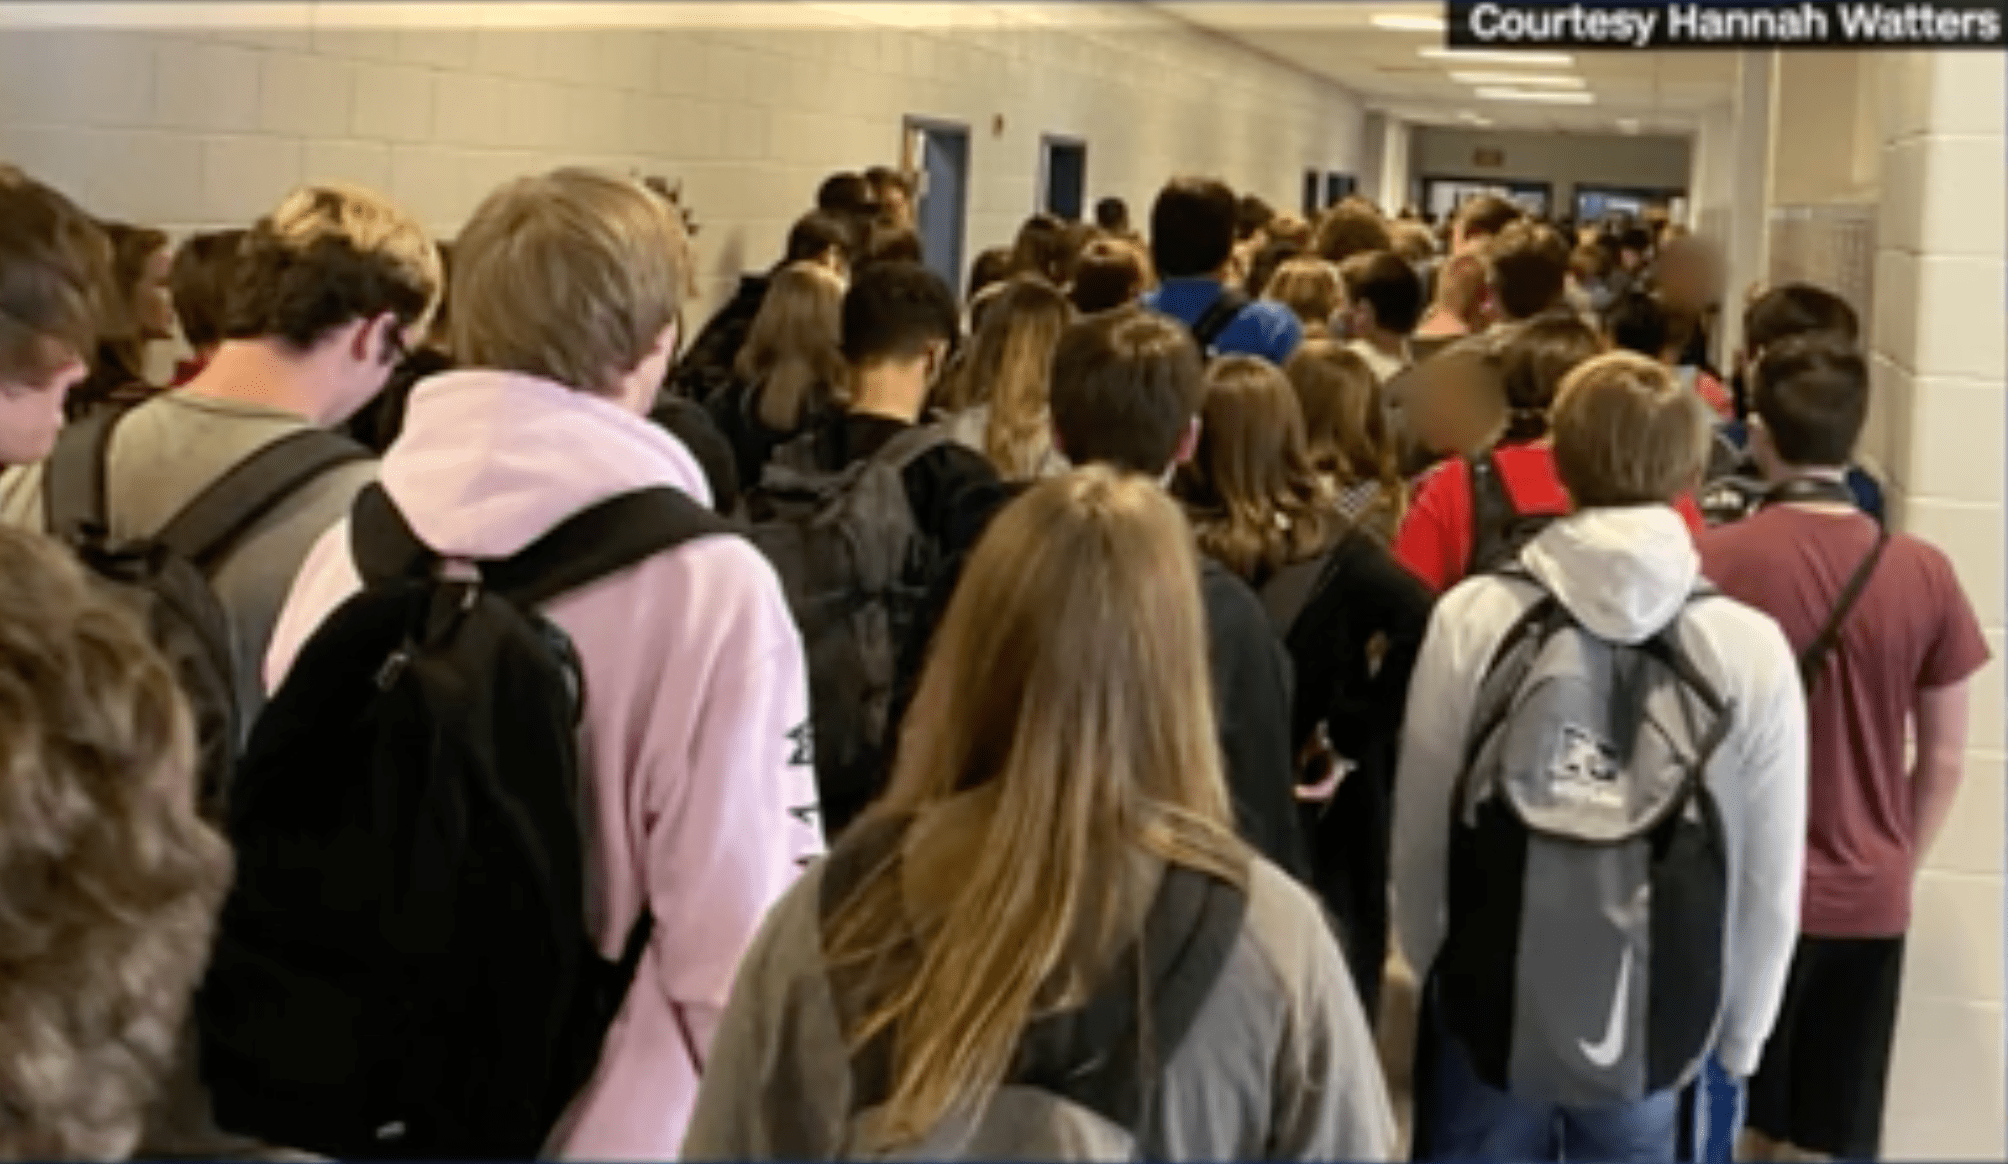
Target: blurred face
(153, 303)
(1442, 410)
(898, 207)
(31, 411)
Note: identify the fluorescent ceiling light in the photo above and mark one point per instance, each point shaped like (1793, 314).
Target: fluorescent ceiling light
(1628, 124)
(1486, 57)
(1402, 23)
(1550, 97)
(1538, 80)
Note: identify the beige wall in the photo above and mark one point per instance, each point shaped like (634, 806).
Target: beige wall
(209, 116)
(1563, 160)
(1940, 309)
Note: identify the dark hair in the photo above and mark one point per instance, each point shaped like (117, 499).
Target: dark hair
(885, 178)
(1385, 280)
(200, 280)
(1192, 227)
(1350, 230)
(1487, 214)
(1112, 214)
(1635, 238)
(819, 232)
(992, 266)
(1534, 359)
(1045, 247)
(1250, 215)
(1126, 385)
(1638, 322)
(55, 263)
(298, 291)
(1530, 269)
(894, 310)
(1111, 273)
(1267, 261)
(887, 243)
(1797, 309)
(848, 193)
(1812, 393)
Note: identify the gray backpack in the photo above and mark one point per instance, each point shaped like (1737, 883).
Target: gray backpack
(855, 566)
(1589, 881)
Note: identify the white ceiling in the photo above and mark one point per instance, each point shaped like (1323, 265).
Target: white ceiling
(1665, 92)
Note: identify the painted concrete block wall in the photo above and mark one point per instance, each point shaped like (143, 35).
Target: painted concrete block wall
(1940, 369)
(207, 116)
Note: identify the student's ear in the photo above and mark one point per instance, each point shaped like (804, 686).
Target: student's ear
(937, 360)
(1059, 446)
(377, 341)
(1188, 445)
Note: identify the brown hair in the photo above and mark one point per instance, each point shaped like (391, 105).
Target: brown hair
(1310, 288)
(1112, 272)
(1289, 228)
(1255, 497)
(794, 348)
(1065, 708)
(1485, 216)
(1534, 359)
(1046, 248)
(1627, 433)
(200, 278)
(570, 275)
(1126, 385)
(1009, 367)
(1530, 269)
(327, 256)
(1350, 230)
(1345, 426)
(1413, 242)
(113, 882)
(54, 273)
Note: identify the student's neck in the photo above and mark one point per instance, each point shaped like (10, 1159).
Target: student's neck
(893, 391)
(1386, 342)
(1443, 322)
(262, 372)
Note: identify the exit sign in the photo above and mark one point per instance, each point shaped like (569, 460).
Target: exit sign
(1490, 159)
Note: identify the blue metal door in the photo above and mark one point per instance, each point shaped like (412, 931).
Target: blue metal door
(944, 193)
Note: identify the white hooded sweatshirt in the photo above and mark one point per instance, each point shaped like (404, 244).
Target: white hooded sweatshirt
(1624, 574)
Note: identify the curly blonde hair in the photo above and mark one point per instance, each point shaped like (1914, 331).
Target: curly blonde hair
(112, 881)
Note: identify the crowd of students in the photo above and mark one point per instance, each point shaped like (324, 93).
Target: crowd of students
(1063, 720)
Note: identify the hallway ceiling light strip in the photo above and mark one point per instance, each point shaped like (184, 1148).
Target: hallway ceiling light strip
(1548, 97)
(1537, 80)
(1405, 23)
(1488, 57)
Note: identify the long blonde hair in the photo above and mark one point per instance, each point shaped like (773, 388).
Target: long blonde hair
(795, 345)
(1256, 499)
(1069, 683)
(1009, 368)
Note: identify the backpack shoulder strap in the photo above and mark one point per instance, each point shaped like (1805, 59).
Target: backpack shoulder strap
(609, 537)
(253, 488)
(1217, 317)
(73, 481)
(1814, 659)
(911, 445)
(1492, 509)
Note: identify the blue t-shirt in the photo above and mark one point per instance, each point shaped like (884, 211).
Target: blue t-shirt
(1264, 328)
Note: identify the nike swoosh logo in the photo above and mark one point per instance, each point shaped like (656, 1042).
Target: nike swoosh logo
(1606, 1051)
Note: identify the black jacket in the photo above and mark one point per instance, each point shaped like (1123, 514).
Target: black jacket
(706, 366)
(1252, 699)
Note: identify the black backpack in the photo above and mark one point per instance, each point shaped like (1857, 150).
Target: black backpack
(1499, 531)
(403, 967)
(1217, 318)
(164, 579)
(855, 565)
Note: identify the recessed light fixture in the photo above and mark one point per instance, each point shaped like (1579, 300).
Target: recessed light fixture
(1548, 96)
(1628, 124)
(1486, 57)
(1405, 23)
(1537, 80)
(1474, 119)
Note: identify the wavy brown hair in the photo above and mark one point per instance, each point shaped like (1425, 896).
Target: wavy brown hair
(1066, 708)
(1255, 498)
(112, 881)
(1010, 368)
(795, 347)
(1346, 430)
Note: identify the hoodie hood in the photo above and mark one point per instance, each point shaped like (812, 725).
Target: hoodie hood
(490, 461)
(1623, 573)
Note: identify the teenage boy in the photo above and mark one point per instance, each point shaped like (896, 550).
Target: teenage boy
(1192, 226)
(566, 292)
(53, 261)
(1384, 305)
(329, 292)
(1509, 1045)
(1528, 271)
(1126, 390)
(1888, 643)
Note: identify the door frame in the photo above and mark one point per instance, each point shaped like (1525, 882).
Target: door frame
(1046, 143)
(915, 163)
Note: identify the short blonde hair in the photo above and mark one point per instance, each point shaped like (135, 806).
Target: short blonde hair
(1308, 286)
(1626, 433)
(112, 881)
(328, 255)
(570, 275)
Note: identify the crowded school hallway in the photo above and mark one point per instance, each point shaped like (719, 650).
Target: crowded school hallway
(782, 581)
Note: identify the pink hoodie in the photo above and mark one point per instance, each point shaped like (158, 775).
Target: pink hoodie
(695, 741)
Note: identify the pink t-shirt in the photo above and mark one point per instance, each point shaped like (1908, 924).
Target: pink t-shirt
(1912, 629)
